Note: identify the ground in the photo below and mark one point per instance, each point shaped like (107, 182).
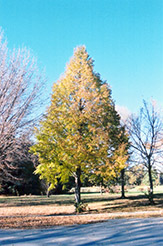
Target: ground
(124, 232)
(40, 211)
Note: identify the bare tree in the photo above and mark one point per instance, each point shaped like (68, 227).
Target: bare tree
(146, 131)
(20, 90)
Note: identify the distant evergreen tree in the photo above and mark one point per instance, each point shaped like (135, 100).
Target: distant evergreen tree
(23, 180)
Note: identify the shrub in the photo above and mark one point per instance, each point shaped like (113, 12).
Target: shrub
(81, 207)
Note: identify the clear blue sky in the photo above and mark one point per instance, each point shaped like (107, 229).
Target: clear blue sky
(124, 37)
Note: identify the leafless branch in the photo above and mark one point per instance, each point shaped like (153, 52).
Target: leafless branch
(20, 96)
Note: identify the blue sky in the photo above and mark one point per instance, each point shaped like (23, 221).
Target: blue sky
(124, 37)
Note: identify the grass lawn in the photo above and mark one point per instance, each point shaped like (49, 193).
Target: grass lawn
(40, 211)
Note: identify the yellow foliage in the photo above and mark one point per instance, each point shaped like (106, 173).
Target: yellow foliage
(77, 130)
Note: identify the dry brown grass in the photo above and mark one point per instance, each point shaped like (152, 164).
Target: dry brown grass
(40, 211)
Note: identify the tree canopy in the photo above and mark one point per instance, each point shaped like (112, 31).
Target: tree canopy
(81, 130)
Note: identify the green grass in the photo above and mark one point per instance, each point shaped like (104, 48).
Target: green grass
(68, 199)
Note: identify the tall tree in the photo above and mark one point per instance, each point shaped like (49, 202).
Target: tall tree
(75, 136)
(20, 85)
(146, 132)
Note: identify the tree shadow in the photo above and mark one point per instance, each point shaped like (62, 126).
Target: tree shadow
(130, 202)
(35, 201)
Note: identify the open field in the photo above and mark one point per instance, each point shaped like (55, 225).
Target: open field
(40, 211)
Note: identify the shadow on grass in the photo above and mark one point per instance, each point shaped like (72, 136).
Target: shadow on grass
(132, 203)
(54, 199)
(35, 201)
(129, 201)
(118, 197)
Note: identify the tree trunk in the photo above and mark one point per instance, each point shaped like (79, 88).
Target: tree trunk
(123, 183)
(77, 185)
(101, 189)
(150, 193)
(48, 191)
